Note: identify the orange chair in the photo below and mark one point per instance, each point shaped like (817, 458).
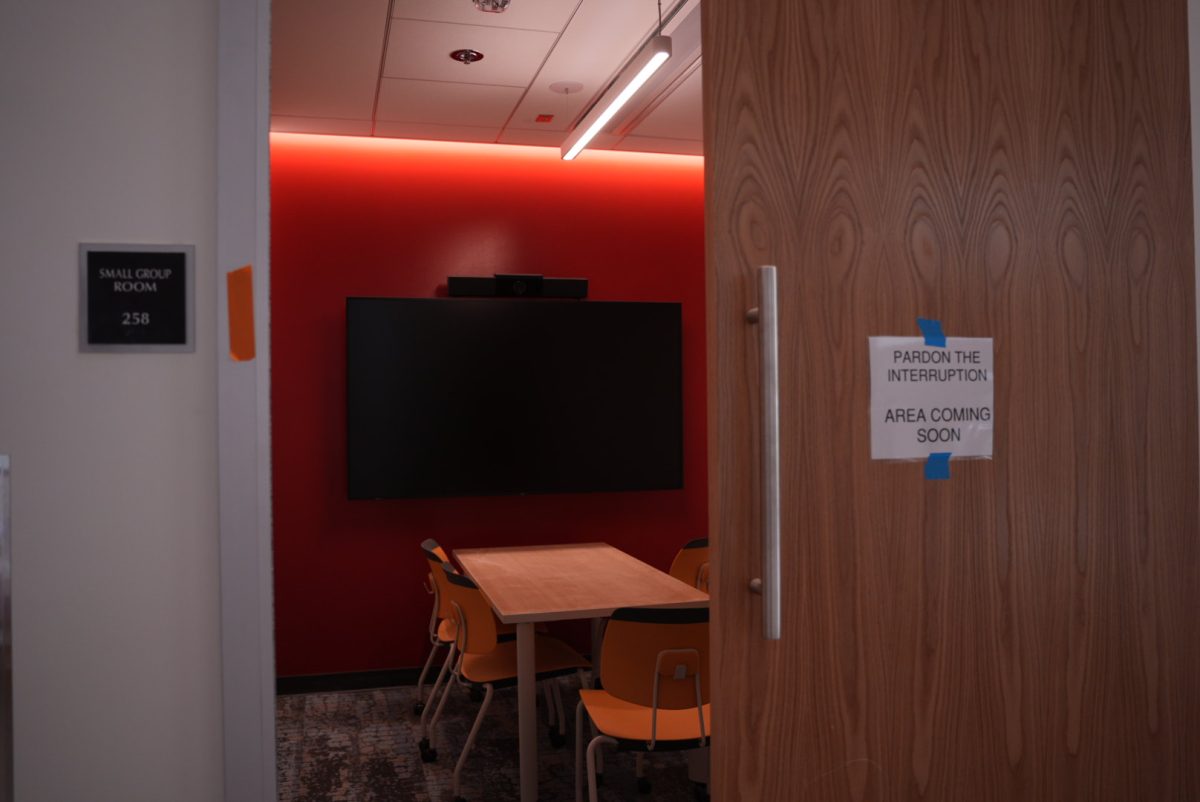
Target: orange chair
(653, 670)
(442, 632)
(485, 660)
(691, 564)
(436, 555)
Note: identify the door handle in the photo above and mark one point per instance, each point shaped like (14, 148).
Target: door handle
(766, 315)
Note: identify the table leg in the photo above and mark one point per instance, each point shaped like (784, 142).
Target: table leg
(597, 645)
(527, 711)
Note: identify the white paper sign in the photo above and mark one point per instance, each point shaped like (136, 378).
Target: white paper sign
(926, 399)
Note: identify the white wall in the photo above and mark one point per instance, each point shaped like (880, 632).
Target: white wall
(108, 133)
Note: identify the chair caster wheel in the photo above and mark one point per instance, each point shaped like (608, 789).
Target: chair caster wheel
(557, 739)
(643, 785)
(418, 708)
(427, 755)
(476, 693)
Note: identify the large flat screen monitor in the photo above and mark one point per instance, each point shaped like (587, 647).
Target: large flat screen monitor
(468, 397)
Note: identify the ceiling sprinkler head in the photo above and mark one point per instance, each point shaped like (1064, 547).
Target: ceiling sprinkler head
(467, 56)
(492, 6)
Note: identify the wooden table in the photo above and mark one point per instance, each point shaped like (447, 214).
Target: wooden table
(530, 584)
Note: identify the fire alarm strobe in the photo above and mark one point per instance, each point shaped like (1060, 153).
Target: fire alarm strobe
(516, 285)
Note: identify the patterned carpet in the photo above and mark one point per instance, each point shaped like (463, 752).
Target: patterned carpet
(361, 746)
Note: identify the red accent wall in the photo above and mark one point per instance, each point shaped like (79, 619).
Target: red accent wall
(353, 216)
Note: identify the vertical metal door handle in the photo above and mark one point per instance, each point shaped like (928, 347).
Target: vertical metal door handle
(766, 316)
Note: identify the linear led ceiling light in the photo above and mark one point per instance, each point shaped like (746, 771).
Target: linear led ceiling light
(631, 79)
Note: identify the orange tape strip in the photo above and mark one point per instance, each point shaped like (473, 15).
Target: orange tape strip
(240, 286)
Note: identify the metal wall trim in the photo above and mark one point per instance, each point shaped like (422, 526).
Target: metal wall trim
(6, 696)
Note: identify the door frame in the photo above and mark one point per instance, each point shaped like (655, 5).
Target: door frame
(244, 389)
(243, 404)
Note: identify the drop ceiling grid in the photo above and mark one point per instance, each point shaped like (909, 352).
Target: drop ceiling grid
(602, 36)
(534, 15)
(421, 50)
(677, 114)
(436, 131)
(417, 91)
(445, 103)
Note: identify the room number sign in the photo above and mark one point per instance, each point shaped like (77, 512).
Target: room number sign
(136, 298)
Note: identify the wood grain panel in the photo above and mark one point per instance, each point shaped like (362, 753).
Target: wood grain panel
(1019, 170)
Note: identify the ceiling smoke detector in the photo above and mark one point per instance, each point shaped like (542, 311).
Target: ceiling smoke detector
(492, 6)
(467, 56)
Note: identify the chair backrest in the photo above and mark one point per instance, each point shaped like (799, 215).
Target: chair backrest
(436, 556)
(434, 551)
(471, 612)
(643, 645)
(691, 564)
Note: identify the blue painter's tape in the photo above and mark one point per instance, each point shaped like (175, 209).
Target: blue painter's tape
(938, 465)
(932, 329)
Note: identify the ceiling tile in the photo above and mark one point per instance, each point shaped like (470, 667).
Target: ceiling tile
(534, 15)
(602, 141)
(447, 133)
(646, 144)
(678, 115)
(320, 125)
(325, 57)
(601, 37)
(518, 136)
(446, 103)
(421, 50)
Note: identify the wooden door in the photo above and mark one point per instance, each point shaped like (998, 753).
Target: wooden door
(1027, 630)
